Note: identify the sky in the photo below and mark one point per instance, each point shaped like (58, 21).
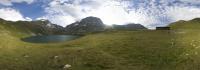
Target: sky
(150, 13)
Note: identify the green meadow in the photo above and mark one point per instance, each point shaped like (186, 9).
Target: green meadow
(175, 49)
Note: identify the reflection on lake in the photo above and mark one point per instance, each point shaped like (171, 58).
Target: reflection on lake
(50, 38)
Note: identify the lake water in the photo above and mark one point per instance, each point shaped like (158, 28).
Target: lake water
(50, 38)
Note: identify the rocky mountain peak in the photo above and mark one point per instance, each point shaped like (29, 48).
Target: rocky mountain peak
(86, 25)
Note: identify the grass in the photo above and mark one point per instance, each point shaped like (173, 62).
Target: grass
(176, 49)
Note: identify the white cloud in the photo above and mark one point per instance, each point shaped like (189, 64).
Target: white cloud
(116, 14)
(9, 2)
(183, 13)
(19, 1)
(191, 1)
(5, 2)
(64, 14)
(110, 11)
(12, 15)
(60, 19)
(147, 13)
(27, 19)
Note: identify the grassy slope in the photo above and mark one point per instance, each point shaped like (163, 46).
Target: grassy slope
(188, 36)
(112, 50)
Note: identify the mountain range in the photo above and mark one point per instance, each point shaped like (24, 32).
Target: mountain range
(175, 49)
(86, 25)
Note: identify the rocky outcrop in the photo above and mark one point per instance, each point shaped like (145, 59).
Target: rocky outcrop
(47, 27)
(86, 25)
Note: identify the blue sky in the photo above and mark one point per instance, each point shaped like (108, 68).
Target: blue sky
(150, 13)
(33, 11)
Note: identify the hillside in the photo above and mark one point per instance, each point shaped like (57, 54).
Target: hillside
(191, 24)
(176, 49)
(109, 50)
(39, 27)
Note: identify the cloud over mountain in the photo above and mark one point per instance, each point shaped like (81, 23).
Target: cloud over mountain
(12, 15)
(148, 13)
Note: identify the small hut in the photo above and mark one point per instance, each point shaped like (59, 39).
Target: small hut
(162, 28)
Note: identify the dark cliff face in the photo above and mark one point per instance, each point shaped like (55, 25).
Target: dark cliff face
(86, 25)
(130, 26)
